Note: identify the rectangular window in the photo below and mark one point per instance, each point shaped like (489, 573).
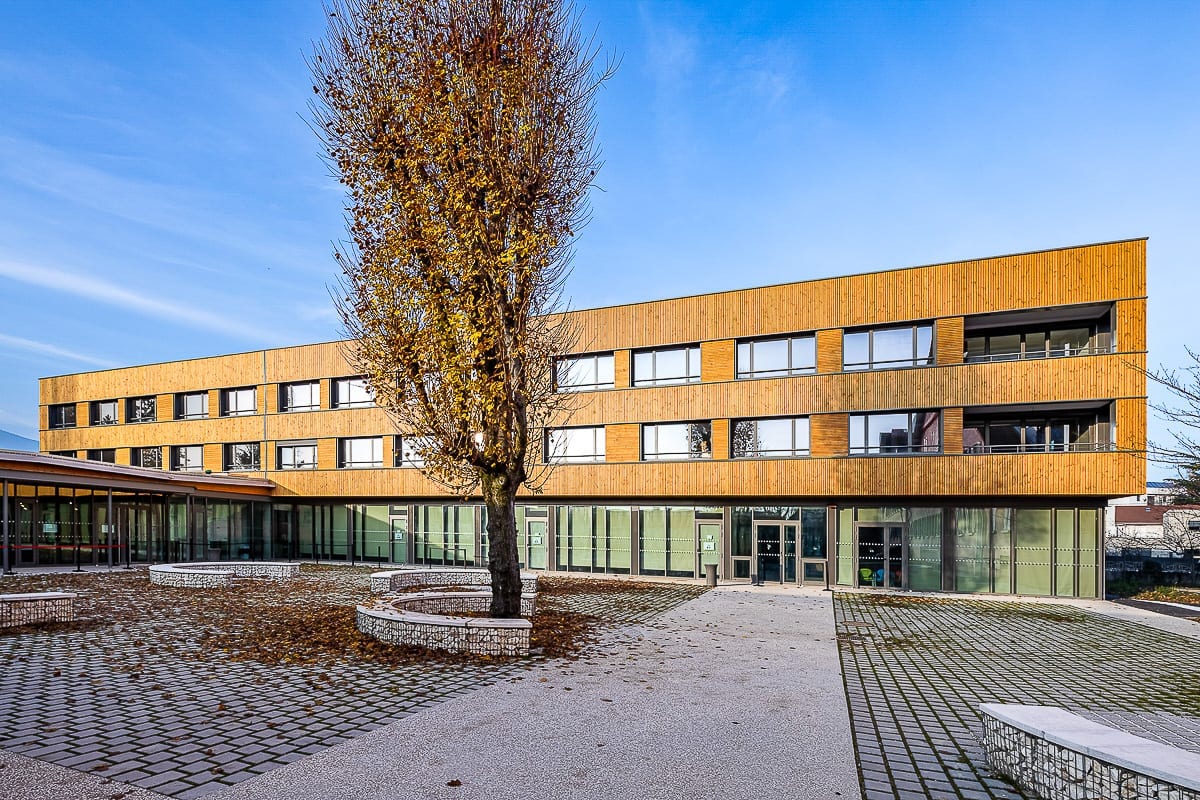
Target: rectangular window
(352, 393)
(141, 409)
(408, 450)
(64, 453)
(774, 358)
(571, 445)
(584, 373)
(888, 348)
(666, 366)
(237, 402)
(148, 457)
(677, 440)
(360, 452)
(770, 438)
(895, 433)
(62, 416)
(242, 457)
(191, 405)
(1063, 340)
(296, 455)
(187, 458)
(304, 396)
(1037, 433)
(108, 455)
(104, 412)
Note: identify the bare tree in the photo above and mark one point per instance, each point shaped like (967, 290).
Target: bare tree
(463, 131)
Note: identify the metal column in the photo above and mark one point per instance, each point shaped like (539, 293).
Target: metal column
(4, 523)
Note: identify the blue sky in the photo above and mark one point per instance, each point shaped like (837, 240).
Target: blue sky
(161, 196)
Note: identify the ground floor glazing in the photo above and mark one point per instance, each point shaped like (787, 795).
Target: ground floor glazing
(1053, 549)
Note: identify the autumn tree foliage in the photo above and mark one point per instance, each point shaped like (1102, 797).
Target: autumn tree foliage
(463, 131)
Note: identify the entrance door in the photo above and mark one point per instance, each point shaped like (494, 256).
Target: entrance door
(535, 537)
(708, 546)
(880, 551)
(767, 542)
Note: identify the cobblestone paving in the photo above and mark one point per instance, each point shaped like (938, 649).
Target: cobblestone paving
(128, 701)
(916, 670)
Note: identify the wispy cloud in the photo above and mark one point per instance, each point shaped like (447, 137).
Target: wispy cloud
(104, 292)
(45, 348)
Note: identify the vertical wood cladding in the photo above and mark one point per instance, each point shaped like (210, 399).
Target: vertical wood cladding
(952, 431)
(621, 370)
(829, 434)
(829, 351)
(623, 442)
(717, 360)
(1110, 273)
(720, 438)
(950, 342)
(214, 457)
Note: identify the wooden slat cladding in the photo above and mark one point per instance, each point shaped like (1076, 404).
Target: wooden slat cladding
(829, 434)
(1131, 425)
(952, 431)
(623, 442)
(717, 360)
(1101, 377)
(720, 438)
(1131, 325)
(829, 351)
(622, 374)
(1017, 475)
(949, 343)
(1092, 273)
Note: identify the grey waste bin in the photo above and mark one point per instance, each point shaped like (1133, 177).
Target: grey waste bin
(710, 574)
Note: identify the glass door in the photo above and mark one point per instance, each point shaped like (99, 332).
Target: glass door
(769, 552)
(880, 556)
(708, 546)
(399, 553)
(535, 536)
(789, 554)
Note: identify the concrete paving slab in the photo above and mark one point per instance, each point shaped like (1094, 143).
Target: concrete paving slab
(737, 694)
(23, 778)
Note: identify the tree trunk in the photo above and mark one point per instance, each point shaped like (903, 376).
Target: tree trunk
(499, 495)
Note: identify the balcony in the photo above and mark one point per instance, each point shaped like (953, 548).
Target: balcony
(1060, 332)
(1041, 428)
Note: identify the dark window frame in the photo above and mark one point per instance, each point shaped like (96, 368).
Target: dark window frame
(56, 413)
(911, 448)
(599, 446)
(748, 372)
(338, 401)
(691, 351)
(343, 456)
(179, 450)
(181, 405)
(286, 407)
(135, 413)
(229, 453)
(872, 364)
(237, 391)
(280, 447)
(793, 452)
(95, 416)
(691, 454)
(599, 385)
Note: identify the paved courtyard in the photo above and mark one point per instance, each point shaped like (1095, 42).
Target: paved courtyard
(151, 701)
(917, 668)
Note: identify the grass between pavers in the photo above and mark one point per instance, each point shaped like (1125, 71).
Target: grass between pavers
(311, 619)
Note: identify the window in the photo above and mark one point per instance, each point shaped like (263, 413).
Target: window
(677, 440)
(64, 453)
(141, 409)
(408, 451)
(1036, 432)
(895, 432)
(297, 455)
(570, 445)
(104, 412)
(300, 396)
(351, 393)
(107, 455)
(242, 457)
(360, 452)
(1194, 524)
(666, 366)
(770, 438)
(1072, 339)
(888, 348)
(148, 457)
(191, 405)
(774, 358)
(236, 402)
(584, 373)
(62, 416)
(187, 458)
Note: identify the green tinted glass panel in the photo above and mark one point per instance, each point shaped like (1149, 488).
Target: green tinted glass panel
(682, 544)
(742, 534)
(845, 547)
(812, 532)
(1002, 550)
(620, 524)
(925, 550)
(653, 541)
(1089, 552)
(1064, 552)
(1031, 538)
(972, 555)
